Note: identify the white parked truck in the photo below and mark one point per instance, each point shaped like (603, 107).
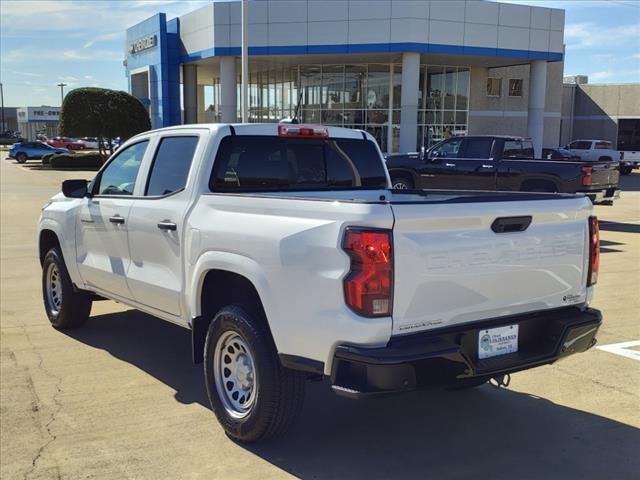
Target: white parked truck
(599, 150)
(285, 252)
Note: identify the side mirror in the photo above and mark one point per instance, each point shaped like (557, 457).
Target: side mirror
(75, 188)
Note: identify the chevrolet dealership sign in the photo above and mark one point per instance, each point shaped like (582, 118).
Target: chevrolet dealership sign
(142, 44)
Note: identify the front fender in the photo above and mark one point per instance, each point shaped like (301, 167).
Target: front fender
(66, 238)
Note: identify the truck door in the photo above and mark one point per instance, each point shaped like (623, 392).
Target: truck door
(102, 233)
(582, 148)
(438, 169)
(156, 239)
(475, 167)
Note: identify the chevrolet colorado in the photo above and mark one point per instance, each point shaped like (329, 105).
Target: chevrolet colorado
(504, 163)
(286, 253)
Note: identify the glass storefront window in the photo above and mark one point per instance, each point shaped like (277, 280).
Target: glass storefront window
(354, 86)
(358, 96)
(462, 89)
(378, 86)
(445, 105)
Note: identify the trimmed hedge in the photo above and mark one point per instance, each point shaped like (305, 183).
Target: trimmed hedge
(89, 161)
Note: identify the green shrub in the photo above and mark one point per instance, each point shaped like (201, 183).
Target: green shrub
(89, 161)
(102, 113)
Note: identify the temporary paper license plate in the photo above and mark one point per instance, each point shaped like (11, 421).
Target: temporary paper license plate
(497, 341)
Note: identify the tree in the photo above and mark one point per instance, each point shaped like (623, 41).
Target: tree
(102, 113)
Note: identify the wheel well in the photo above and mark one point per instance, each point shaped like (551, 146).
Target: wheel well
(604, 159)
(538, 186)
(221, 288)
(401, 174)
(48, 240)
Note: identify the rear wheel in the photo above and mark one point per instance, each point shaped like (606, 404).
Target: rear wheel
(21, 157)
(65, 306)
(253, 396)
(401, 183)
(626, 170)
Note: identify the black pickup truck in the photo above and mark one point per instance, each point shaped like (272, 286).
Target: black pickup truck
(501, 163)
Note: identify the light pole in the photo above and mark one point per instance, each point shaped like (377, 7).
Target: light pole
(244, 94)
(2, 105)
(61, 85)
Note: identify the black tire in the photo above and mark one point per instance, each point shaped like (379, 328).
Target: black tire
(625, 170)
(467, 383)
(74, 307)
(401, 183)
(279, 392)
(21, 157)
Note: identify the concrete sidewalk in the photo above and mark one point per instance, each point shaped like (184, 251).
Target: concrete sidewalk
(120, 397)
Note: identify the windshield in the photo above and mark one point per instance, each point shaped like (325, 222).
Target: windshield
(263, 163)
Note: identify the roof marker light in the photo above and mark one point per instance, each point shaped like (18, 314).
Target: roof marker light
(302, 131)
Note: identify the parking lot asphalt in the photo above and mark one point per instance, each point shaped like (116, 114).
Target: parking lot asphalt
(120, 398)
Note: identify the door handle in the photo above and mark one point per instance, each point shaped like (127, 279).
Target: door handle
(167, 225)
(117, 219)
(449, 164)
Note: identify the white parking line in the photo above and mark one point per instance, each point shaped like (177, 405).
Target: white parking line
(623, 349)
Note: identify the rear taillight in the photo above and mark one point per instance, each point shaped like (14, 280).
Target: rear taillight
(368, 288)
(594, 251)
(302, 131)
(587, 178)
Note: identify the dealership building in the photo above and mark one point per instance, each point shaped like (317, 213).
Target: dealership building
(410, 72)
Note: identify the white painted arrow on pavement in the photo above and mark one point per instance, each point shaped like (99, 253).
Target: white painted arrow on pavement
(623, 349)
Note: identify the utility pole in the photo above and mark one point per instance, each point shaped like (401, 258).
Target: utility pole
(2, 105)
(244, 90)
(61, 85)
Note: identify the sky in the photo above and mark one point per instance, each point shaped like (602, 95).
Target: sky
(81, 43)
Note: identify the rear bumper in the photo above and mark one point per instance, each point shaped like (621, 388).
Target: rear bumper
(604, 195)
(441, 357)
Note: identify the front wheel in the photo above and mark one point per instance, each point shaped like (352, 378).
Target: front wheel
(625, 170)
(401, 183)
(253, 396)
(65, 306)
(21, 157)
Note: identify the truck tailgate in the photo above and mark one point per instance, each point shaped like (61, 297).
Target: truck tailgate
(452, 268)
(605, 174)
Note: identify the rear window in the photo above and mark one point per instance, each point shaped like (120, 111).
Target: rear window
(263, 163)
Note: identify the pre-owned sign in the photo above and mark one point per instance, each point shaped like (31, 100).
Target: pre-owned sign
(143, 44)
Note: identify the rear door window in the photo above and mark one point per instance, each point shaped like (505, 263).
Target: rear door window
(476, 148)
(604, 145)
(580, 145)
(263, 163)
(518, 149)
(171, 165)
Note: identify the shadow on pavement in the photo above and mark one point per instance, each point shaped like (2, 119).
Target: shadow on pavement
(630, 183)
(486, 432)
(619, 227)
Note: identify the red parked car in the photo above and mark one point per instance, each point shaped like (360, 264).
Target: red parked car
(66, 142)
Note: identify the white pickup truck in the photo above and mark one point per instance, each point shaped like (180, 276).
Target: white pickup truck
(598, 150)
(284, 250)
